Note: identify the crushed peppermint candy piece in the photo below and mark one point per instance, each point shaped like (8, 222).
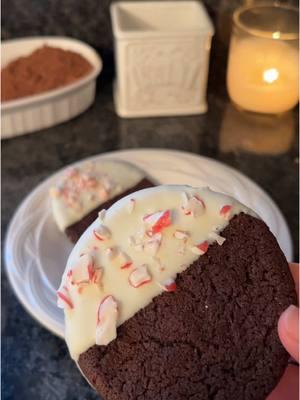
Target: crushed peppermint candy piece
(219, 239)
(200, 249)
(181, 235)
(226, 211)
(152, 245)
(78, 181)
(124, 259)
(195, 199)
(97, 275)
(139, 276)
(158, 220)
(63, 298)
(185, 203)
(102, 233)
(107, 316)
(194, 206)
(169, 285)
(131, 205)
(84, 271)
(101, 215)
(184, 199)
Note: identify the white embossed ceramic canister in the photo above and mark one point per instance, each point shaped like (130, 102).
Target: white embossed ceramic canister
(162, 57)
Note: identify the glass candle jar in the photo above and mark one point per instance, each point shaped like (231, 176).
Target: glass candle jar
(262, 73)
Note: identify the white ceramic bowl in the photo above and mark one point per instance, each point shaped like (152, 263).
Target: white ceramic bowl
(32, 113)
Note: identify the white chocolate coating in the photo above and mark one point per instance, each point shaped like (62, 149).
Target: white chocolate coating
(142, 254)
(83, 189)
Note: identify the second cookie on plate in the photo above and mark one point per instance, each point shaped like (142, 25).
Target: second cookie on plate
(83, 192)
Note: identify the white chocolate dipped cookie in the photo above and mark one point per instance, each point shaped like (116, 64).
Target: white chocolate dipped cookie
(84, 191)
(133, 252)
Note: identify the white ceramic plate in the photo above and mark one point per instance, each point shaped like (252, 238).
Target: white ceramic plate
(36, 252)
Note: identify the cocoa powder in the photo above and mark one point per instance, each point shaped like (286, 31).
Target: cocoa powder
(45, 69)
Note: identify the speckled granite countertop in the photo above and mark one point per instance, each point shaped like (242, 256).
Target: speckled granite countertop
(35, 364)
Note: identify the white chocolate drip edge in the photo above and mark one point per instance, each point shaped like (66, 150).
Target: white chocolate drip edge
(163, 255)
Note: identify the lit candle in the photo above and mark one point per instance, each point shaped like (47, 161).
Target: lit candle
(262, 75)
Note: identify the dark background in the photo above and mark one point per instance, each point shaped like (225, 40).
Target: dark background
(35, 364)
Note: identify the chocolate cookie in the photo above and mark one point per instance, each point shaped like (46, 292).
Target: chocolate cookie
(211, 332)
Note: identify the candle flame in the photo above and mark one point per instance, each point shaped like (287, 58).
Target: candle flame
(270, 75)
(276, 35)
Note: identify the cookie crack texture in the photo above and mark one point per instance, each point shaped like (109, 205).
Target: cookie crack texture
(214, 338)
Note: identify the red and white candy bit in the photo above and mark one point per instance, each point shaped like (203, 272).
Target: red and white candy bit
(181, 235)
(194, 206)
(97, 276)
(84, 270)
(217, 238)
(139, 276)
(158, 220)
(152, 245)
(102, 233)
(131, 205)
(107, 315)
(63, 298)
(124, 259)
(169, 285)
(226, 211)
(184, 199)
(200, 249)
(199, 200)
